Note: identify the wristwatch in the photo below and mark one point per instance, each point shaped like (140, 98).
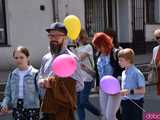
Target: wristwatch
(132, 91)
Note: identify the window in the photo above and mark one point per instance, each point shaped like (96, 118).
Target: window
(3, 40)
(100, 15)
(94, 16)
(152, 11)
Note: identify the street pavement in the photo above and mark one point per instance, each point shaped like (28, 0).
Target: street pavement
(151, 103)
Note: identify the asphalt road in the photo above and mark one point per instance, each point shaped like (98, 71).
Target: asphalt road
(151, 104)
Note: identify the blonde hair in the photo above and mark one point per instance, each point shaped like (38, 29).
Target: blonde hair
(127, 54)
(156, 32)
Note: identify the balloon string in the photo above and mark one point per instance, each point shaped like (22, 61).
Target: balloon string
(135, 103)
(50, 73)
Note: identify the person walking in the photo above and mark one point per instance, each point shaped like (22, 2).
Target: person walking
(107, 65)
(133, 87)
(59, 100)
(85, 54)
(21, 93)
(154, 74)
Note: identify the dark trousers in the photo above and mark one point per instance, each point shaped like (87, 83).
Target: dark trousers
(119, 114)
(130, 111)
(84, 103)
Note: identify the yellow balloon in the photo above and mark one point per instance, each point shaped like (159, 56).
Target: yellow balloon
(73, 25)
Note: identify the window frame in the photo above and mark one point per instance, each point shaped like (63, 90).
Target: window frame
(90, 12)
(150, 15)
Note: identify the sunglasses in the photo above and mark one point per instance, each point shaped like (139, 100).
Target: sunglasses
(55, 35)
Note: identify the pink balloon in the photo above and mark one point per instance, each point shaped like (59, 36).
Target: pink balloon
(64, 65)
(110, 85)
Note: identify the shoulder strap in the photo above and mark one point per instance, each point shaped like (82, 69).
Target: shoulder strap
(91, 62)
(35, 83)
(72, 54)
(115, 53)
(10, 75)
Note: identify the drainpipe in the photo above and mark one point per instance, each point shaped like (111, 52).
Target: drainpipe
(55, 10)
(105, 15)
(116, 22)
(66, 8)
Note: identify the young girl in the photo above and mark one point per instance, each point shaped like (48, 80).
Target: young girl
(133, 87)
(21, 94)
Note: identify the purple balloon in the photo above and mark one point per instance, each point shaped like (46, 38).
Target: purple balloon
(110, 85)
(64, 65)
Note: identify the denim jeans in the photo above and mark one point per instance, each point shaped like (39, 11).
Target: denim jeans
(83, 102)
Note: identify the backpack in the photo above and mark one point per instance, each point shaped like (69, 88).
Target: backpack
(36, 86)
(95, 58)
(117, 70)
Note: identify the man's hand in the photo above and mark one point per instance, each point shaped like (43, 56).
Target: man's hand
(47, 83)
(51, 82)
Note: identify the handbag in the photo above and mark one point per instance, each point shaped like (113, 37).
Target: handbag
(154, 74)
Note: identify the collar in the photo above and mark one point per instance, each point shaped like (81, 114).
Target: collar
(130, 68)
(28, 70)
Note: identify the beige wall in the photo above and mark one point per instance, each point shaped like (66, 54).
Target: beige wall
(124, 21)
(74, 7)
(26, 24)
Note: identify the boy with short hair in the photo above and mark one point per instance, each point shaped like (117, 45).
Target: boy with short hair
(133, 86)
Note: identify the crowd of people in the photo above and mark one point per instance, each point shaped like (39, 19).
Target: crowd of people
(41, 95)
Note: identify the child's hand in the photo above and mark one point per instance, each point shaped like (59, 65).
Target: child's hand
(124, 92)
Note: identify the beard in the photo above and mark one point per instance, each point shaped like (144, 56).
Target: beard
(55, 48)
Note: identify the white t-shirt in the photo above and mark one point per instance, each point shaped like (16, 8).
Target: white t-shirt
(22, 73)
(88, 61)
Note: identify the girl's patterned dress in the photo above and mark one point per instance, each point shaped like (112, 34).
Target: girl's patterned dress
(21, 113)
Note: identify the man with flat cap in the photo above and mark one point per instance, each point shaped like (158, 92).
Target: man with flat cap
(59, 100)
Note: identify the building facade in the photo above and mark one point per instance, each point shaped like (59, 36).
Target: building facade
(23, 22)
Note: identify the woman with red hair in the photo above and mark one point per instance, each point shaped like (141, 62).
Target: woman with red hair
(107, 65)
